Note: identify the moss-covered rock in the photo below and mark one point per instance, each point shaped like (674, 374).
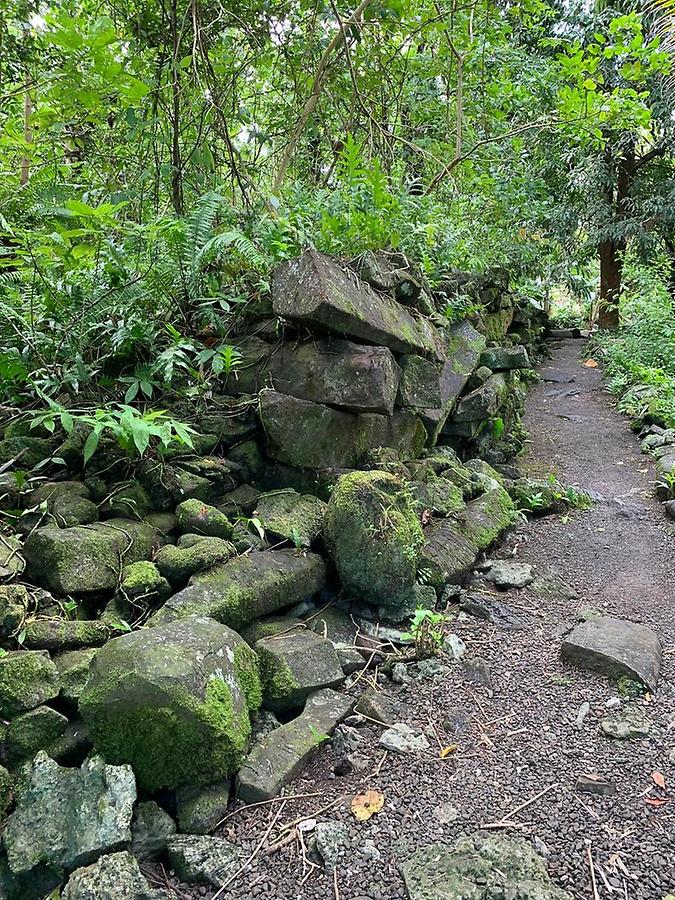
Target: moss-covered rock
(5, 792)
(239, 502)
(437, 494)
(73, 669)
(85, 560)
(246, 537)
(12, 561)
(199, 518)
(419, 387)
(167, 484)
(151, 828)
(293, 665)
(247, 588)
(142, 585)
(59, 635)
(287, 515)
(200, 809)
(174, 702)
(486, 517)
(27, 679)
(374, 537)
(194, 553)
(34, 730)
(248, 460)
(15, 602)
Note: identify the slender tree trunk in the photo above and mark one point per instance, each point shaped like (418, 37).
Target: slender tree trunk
(611, 272)
(27, 128)
(176, 162)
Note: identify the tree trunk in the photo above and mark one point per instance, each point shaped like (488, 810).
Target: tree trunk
(176, 162)
(611, 271)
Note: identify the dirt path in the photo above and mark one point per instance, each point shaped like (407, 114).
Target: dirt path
(514, 714)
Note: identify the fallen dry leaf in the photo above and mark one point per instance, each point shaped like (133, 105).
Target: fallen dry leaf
(659, 780)
(590, 364)
(446, 751)
(366, 805)
(657, 801)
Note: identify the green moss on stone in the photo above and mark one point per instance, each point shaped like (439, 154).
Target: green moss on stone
(27, 679)
(277, 677)
(248, 675)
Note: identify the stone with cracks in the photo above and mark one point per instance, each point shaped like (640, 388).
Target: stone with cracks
(340, 373)
(66, 818)
(374, 537)
(87, 560)
(204, 859)
(419, 387)
(294, 665)
(479, 867)
(401, 738)
(247, 588)
(173, 701)
(312, 436)
(288, 515)
(282, 754)
(615, 647)
(315, 290)
(113, 877)
(507, 573)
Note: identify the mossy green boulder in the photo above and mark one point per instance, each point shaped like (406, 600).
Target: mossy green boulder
(193, 553)
(288, 515)
(59, 635)
(174, 702)
(34, 730)
(27, 679)
(247, 588)
(86, 560)
(374, 536)
(68, 503)
(293, 665)
(73, 669)
(143, 585)
(27, 451)
(199, 518)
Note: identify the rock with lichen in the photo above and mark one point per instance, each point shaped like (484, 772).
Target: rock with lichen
(27, 679)
(173, 701)
(193, 553)
(247, 588)
(31, 731)
(374, 537)
(293, 665)
(288, 515)
(200, 518)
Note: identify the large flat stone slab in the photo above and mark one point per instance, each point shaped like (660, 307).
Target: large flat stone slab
(247, 588)
(280, 756)
(356, 377)
(314, 289)
(312, 436)
(479, 867)
(615, 647)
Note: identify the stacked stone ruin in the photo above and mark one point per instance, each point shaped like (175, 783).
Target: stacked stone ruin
(187, 624)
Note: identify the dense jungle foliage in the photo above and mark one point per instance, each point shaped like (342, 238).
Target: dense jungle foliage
(159, 158)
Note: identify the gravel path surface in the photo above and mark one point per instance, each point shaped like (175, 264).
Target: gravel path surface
(519, 736)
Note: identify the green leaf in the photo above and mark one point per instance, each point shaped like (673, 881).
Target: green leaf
(91, 444)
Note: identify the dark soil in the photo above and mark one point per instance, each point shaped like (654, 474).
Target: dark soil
(518, 737)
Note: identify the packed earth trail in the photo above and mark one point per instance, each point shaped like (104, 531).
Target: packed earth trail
(511, 729)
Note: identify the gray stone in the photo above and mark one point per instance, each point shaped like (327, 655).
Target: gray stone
(27, 679)
(483, 403)
(339, 373)
(594, 784)
(173, 701)
(312, 436)
(239, 502)
(347, 745)
(401, 738)
(485, 606)
(377, 707)
(332, 842)
(294, 665)
(113, 877)
(289, 516)
(247, 588)
(615, 647)
(351, 660)
(65, 818)
(477, 671)
(669, 507)
(479, 867)
(631, 721)
(282, 754)
(504, 573)
(501, 358)
(446, 813)
(204, 860)
(419, 387)
(454, 646)
(11, 559)
(314, 289)
(150, 829)
(200, 810)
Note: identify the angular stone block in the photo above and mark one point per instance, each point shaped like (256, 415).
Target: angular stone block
(294, 665)
(316, 290)
(615, 647)
(312, 436)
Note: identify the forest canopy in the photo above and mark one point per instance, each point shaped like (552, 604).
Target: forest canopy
(159, 158)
